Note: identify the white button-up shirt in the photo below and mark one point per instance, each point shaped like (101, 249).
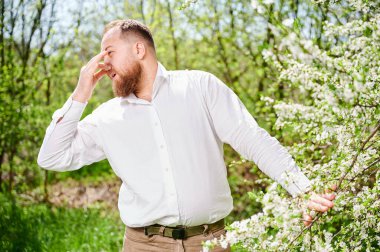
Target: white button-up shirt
(168, 152)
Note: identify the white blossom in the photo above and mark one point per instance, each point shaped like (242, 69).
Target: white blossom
(288, 22)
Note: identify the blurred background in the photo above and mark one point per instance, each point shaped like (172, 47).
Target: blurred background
(43, 45)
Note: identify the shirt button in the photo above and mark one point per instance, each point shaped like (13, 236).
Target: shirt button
(161, 146)
(156, 123)
(166, 169)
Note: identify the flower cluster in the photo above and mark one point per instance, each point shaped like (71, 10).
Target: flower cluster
(335, 121)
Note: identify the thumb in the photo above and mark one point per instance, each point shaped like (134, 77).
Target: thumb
(307, 219)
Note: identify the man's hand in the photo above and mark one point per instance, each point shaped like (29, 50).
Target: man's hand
(89, 77)
(320, 203)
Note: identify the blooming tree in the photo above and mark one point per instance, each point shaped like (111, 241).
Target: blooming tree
(334, 121)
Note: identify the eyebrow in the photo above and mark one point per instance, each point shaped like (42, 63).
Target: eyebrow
(107, 47)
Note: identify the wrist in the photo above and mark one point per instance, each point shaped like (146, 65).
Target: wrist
(80, 98)
(308, 193)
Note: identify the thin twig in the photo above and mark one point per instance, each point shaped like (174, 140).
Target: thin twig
(357, 154)
(368, 167)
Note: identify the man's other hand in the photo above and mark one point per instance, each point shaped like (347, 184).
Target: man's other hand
(320, 203)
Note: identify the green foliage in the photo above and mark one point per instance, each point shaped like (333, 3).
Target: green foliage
(42, 227)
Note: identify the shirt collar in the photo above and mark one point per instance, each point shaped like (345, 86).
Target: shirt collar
(162, 76)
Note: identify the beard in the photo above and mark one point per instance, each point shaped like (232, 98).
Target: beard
(127, 83)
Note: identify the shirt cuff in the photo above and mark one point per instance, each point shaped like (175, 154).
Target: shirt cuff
(71, 110)
(295, 183)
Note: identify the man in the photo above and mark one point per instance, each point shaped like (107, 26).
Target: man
(163, 135)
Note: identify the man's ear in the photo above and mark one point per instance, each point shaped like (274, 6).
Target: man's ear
(140, 50)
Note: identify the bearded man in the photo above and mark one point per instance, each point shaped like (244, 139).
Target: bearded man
(163, 135)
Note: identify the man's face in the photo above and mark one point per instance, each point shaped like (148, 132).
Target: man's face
(126, 70)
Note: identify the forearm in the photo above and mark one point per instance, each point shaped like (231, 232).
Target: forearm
(55, 152)
(271, 157)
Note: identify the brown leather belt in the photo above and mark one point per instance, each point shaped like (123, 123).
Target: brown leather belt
(182, 232)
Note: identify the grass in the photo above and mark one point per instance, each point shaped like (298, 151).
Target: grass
(42, 227)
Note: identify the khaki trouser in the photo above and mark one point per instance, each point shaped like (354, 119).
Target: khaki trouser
(135, 240)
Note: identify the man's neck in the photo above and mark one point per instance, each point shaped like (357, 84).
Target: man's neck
(146, 82)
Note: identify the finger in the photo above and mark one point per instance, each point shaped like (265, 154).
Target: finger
(98, 75)
(104, 66)
(307, 219)
(99, 56)
(331, 188)
(93, 63)
(316, 206)
(321, 200)
(328, 196)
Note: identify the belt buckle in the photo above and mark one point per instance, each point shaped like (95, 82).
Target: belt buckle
(178, 233)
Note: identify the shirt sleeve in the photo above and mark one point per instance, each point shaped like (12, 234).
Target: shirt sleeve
(69, 144)
(236, 126)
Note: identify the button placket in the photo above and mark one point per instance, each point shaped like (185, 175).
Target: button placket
(168, 176)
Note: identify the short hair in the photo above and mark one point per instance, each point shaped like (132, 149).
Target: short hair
(133, 26)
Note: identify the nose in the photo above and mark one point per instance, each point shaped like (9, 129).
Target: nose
(107, 60)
